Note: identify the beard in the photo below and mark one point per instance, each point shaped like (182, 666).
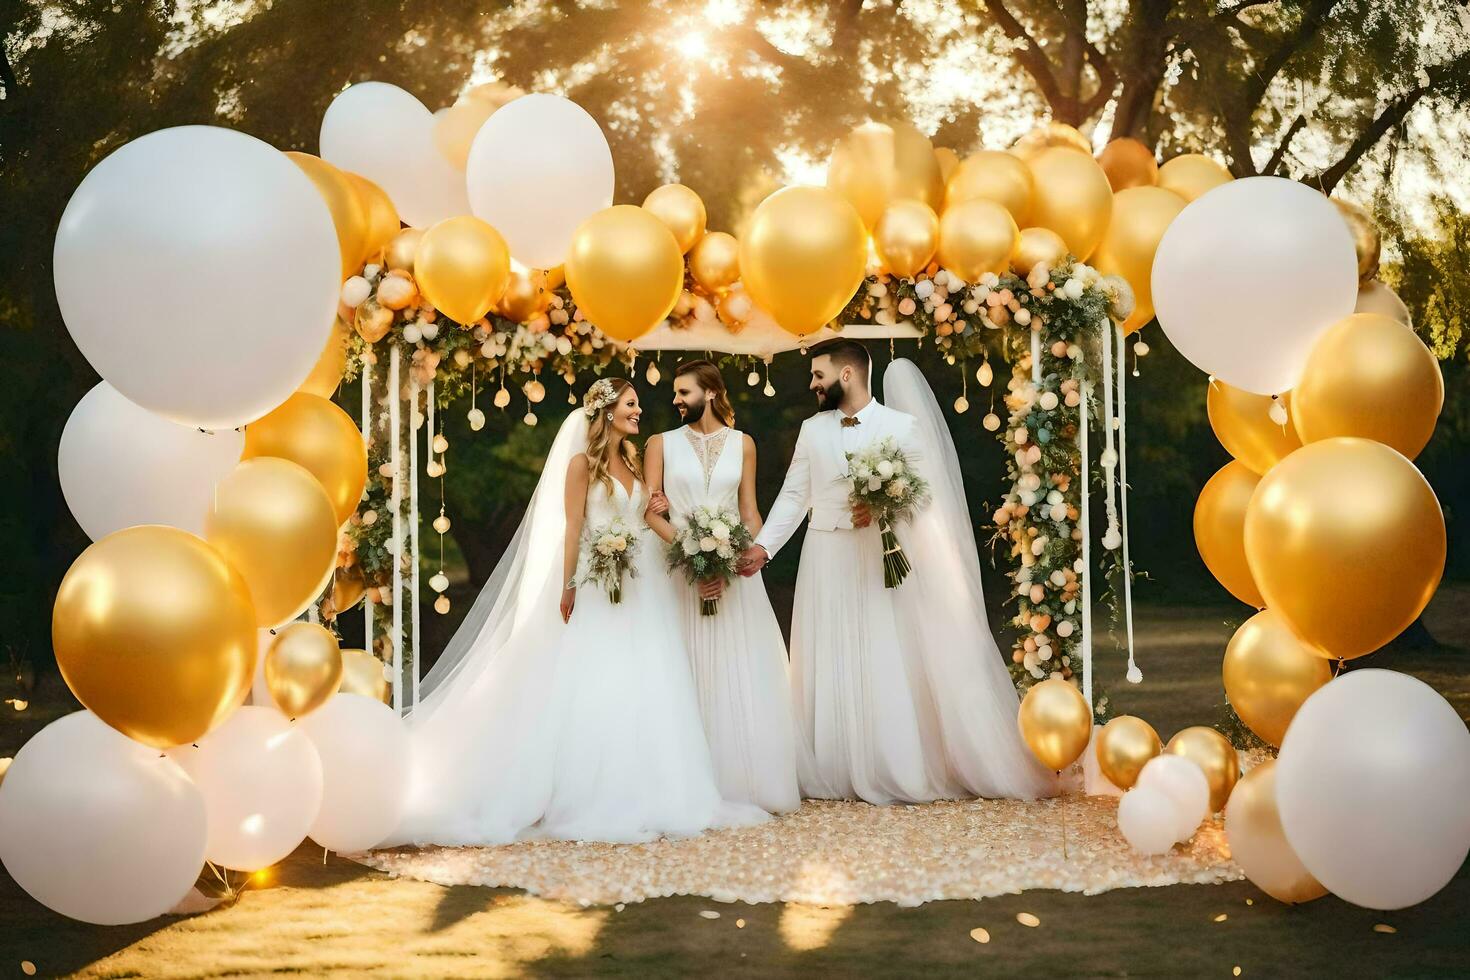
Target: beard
(692, 412)
(830, 397)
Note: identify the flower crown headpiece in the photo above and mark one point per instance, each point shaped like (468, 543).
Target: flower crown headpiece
(601, 394)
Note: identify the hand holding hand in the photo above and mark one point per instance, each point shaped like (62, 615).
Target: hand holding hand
(752, 560)
(712, 588)
(658, 503)
(568, 600)
(862, 516)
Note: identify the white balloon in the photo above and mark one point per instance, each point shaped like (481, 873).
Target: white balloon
(383, 133)
(1148, 818)
(1249, 274)
(98, 827)
(537, 169)
(1373, 785)
(262, 786)
(197, 269)
(121, 465)
(1375, 297)
(364, 751)
(1184, 782)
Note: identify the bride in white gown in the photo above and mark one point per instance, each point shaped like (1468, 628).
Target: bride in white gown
(574, 720)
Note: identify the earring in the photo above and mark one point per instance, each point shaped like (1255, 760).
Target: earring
(609, 416)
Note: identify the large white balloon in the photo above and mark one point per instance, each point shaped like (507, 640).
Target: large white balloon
(1375, 297)
(537, 169)
(99, 827)
(1184, 782)
(122, 465)
(1148, 819)
(383, 133)
(365, 756)
(197, 269)
(1373, 785)
(1249, 274)
(262, 786)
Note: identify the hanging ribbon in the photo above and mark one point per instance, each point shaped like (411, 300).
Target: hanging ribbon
(1135, 675)
(1086, 548)
(366, 380)
(1109, 457)
(395, 420)
(416, 419)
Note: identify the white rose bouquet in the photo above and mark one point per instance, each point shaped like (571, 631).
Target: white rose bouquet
(883, 481)
(609, 556)
(708, 545)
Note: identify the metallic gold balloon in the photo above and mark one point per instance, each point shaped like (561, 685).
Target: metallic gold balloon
(878, 163)
(977, 237)
(1258, 843)
(1214, 754)
(715, 261)
(1269, 671)
(1347, 541)
(1242, 422)
(1055, 722)
(906, 237)
(1192, 174)
(326, 376)
(154, 633)
(803, 256)
(948, 161)
(625, 271)
(303, 668)
(1369, 376)
(1073, 198)
(1038, 245)
(462, 266)
(1128, 163)
(456, 127)
(1219, 529)
(382, 217)
(1141, 215)
(348, 588)
(1124, 745)
(402, 247)
(1051, 134)
(1367, 241)
(552, 279)
(275, 524)
(993, 175)
(524, 296)
(317, 434)
(362, 673)
(348, 215)
(681, 209)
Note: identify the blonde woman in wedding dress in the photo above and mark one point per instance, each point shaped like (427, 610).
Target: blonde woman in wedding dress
(556, 712)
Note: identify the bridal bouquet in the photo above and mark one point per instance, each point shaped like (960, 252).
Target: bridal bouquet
(609, 556)
(883, 481)
(708, 546)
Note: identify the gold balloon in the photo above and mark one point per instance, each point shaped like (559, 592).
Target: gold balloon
(342, 201)
(1219, 529)
(878, 163)
(303, 668)
(1141, 215)
(155, 634)
(1073, 198)
(1124, 745)
(382, 217)
(524, 296)
(1214, 754)
(327, 374)
(1369, 376)
(977, 237)
(455, 129)
(625, 271)
(319, 435)
(274, 523)
(552, 279)
(1258, 842)
(992, 175)
(1192, 174)
(803, 256)
(715, 261)
(948, 161)
(362, 673)
(1269, 672)
(906, 237)
(1055, 722)
(1367, 241)
(1347, 541)
(1128, 163)
(681, 209)
(1051, 134)
(1038, 245)
(402, 247)
(462, 267)
(1242, 422)
(348, 588)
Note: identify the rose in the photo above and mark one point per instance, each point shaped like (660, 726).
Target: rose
(620, 543)
(862, 473)
(725, 551)
(898, 467)
(720, 531)
(708, 544)
(885, 469)
(690, 546)
(875, 484)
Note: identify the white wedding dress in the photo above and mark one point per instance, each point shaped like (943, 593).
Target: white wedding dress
(588, 730)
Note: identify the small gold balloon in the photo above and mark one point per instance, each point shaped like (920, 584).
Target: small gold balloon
(680, 208)
(976, 237)
(1128, 163)
(271, 520)
(1214, 754)
(401, 249)
(1346, 540)
(1367, 241)
(1258, 843)
(803, 256)
(948, 161)
(382, 216)
(303, 668)
(154, 633)
(319, 435)
(1038, 246)
(625, 271)
(1242, 422)
(1219, 529)
(1269, 671)
(348, 588)
(878, 163)
(1192, 174)
(715, 261)
(524, 296)
(455, 129)
(342, 201)
(462, 266)
(1369, 376)
(1141, 215)
(993, 175)
(906, 237)
(326, 375)
(362, 673)
(1055, 722)
(1124, 746)
(1051, 134)
(1072, 198)
(1375, 297)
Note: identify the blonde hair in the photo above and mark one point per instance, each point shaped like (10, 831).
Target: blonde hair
(598, 441)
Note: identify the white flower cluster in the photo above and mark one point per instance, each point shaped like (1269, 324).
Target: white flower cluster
(709, 531)
(609, 553)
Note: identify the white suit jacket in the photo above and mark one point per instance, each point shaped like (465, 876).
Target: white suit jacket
(816, 483)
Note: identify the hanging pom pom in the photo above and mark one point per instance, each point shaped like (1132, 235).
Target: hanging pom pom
(652, 374)
(476, 419)
(441, 605)
(753, 378)
(961, 405)
(984, 374)
(1278, 411)
(502, 398)
(439, 582)
(1135, 676)
(441, 444)
(991, 422)
(441, 523)
(530, 418)
(770, 389)
(1140, 348)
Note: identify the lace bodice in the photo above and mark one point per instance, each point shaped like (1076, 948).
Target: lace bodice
(703, 469)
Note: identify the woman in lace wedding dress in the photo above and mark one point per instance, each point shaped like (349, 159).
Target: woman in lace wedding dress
(575, 720)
